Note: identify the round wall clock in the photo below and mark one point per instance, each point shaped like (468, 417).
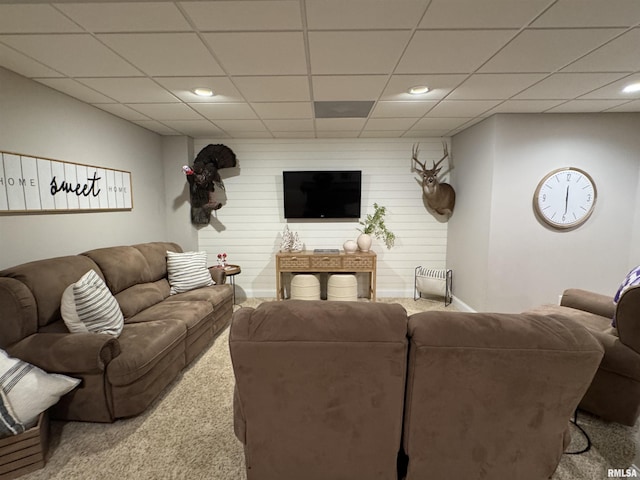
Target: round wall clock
(565, 198)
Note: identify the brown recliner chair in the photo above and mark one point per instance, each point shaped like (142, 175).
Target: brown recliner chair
(319, 389)
(614, 394)
(490, 395)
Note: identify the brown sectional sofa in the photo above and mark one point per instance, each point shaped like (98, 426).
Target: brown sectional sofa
(352, 390)
(120, 376)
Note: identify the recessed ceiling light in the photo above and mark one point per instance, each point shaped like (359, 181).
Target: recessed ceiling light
(418, 90)
(203, 92)
(634, 87)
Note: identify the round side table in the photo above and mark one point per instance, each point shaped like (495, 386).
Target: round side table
(232, 271)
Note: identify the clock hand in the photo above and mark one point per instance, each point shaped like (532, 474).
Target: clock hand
(566, 201)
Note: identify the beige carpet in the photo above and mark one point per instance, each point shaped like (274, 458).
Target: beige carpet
(188, 433)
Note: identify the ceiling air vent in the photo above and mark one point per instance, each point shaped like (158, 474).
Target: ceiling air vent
(349, 109)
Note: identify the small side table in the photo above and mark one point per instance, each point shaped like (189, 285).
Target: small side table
(232, 271)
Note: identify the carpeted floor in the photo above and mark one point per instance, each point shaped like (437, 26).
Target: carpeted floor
(188, 432)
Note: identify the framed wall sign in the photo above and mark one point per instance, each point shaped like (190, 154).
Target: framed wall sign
(42, 185)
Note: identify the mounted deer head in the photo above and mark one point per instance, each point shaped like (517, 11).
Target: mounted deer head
(440, 197)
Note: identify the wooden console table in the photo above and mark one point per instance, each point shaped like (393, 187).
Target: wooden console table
(310, 262)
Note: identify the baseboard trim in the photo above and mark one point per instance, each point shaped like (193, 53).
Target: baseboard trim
(460, 305)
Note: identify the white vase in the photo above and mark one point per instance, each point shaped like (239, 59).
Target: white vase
(350, 246)
(364, 242)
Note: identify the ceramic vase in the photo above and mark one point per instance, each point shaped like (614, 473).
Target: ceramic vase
(350, 246)
(364, 242)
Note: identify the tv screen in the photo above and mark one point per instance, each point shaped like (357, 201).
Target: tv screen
(322, 194)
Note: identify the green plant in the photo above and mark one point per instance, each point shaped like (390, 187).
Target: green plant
(374, 225)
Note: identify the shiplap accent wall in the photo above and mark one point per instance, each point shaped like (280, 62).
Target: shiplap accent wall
(249, 226)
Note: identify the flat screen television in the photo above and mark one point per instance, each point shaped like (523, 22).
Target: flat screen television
(322, 194)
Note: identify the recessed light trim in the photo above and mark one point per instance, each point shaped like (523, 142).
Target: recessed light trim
(203, 92)
(632, 88)
(418, 90)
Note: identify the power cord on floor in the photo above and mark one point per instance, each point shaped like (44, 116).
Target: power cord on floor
(584, 434)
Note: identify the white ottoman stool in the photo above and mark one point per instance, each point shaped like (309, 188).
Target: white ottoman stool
(342, 288)
(305, 287)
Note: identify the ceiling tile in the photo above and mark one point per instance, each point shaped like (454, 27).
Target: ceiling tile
(130, 90)
(233, 126)
(168, 54)
(156, 127)
(439, 86)
(484, 14)
(591, 13)
(338, 133)
(524, 106)
(121, 111)
(586, 106)
(304, 125)
(451, 51)
(547, 50)
(166, 111)
(283, 110)
(274, 89)
(390, 123)
(426, 133)
(183, 87)
(34, 19)
(497, 86)
(363, 14)
(614, 90)
(627, 107)
(567, 85)
(245, 15)
(332, 124)
(382, 134)
(195, 128)
(25, 66)
(414, 109)
(126, 16)
(440, 123)
(355, 52)
(620, 55)
(220, 111)
(462, 108)
(348, 87)
(259, 53)
(76, 55)
(75, 89)
(292, 134)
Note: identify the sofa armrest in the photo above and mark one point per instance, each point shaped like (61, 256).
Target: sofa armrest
(218, 274)
(586, 301)
(68, 353)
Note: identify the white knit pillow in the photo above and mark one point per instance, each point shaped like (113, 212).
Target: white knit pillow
(187, 271)
(30, 390)
(89, 306)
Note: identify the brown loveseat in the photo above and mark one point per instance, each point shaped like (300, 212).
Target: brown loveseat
(349, 390)
(120, 376)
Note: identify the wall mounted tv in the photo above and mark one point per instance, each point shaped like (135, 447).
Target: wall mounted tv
(322, 194)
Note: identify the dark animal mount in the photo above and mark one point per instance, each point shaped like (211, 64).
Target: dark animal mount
(203, 178)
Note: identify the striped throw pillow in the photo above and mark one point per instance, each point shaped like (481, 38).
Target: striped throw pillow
(29, 390)
(89, 306)
(187, 271)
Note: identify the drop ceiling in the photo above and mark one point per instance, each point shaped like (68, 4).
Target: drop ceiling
(270, 62)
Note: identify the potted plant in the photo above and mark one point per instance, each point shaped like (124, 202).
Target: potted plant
(374, 225)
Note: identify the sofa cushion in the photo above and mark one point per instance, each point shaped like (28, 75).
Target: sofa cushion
(156, 255)
(216, 296)
(191, 313)
(143, 345)
(121, 266)
(30, 390)
(89, 306)
(187, 271)
(138, 297)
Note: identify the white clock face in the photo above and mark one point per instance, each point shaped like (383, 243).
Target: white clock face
(565, 198)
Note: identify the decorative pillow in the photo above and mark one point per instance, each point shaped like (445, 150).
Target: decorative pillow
(9, 423)
(631, 280)
(89, 306)
(28, 390)
(187, 271)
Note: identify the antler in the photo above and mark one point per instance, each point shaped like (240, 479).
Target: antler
(446, 154)
(414, 155)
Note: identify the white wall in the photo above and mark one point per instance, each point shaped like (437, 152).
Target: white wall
(528, 263)
(248, 228)
(36, 120)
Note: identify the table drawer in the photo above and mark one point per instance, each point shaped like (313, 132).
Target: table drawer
(326, 262)
(357, 263)
(293, 262)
